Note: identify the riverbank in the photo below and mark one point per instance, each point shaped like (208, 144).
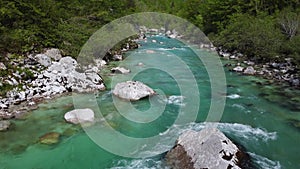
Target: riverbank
(283, 73)
(27, 81)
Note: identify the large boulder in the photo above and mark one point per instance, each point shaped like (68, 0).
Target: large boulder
(80, 116)
(132, 90)
(4, 125)
(208, 148)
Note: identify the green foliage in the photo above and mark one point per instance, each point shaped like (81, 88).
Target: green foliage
(257, 37)
(253, 27)
(4, 88)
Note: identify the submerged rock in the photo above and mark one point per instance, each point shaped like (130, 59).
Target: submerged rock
(4, 125)
(132, 90)
(80, 116)
(50, 138)
(208, 148)
(120, 70)
(140, 64)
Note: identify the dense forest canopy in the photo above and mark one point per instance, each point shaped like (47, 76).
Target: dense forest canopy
(263, 30)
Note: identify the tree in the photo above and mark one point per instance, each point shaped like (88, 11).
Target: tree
(289, 22)
(256, 37)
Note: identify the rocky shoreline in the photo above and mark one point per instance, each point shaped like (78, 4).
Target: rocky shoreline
(284, 72)
(32, 79)
(52, 75)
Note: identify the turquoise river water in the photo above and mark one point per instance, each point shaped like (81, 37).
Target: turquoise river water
(261, 117)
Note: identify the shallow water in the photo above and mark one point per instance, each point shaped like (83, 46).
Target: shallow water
(263, 118)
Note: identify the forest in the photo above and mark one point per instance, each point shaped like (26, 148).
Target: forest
(262, 30)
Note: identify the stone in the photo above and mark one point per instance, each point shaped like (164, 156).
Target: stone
(6, 115)
(120, 70)
(208, 148)
(100, 63)
(295, 82)
(117, 57)
(249, 71)
(68, 61)
(238, 69)
(80, 116)
(2, 66)
(4, 125)
(3, 106)
(132, 90)
(94, 77)
(43, 59)
(54, 54)
(155, 31)
(49, 138)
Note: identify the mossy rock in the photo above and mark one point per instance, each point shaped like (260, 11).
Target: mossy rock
(70, 131)
(50, 138)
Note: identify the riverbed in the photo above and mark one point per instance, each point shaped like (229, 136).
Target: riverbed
(259, 116)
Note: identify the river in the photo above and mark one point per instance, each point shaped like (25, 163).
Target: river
(261, 117)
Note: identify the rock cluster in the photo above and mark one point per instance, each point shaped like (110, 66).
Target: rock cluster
(284, 71)
(208, 148)
(50, 75)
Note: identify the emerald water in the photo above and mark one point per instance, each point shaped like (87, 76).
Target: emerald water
(263, 118)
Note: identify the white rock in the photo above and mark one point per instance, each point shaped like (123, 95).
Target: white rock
(3, 106)
(54, 54)
(238, 69)
(120, 70)
(117, 57)
(22, 95)
(100, 63)
(80, 116)
(43, 59)
(132, 90)
(140, 64)
(234, 96)
(68, 61)
(94, 77)
(2, 66)
(249, 71)
(208, 148)
(9, 82)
